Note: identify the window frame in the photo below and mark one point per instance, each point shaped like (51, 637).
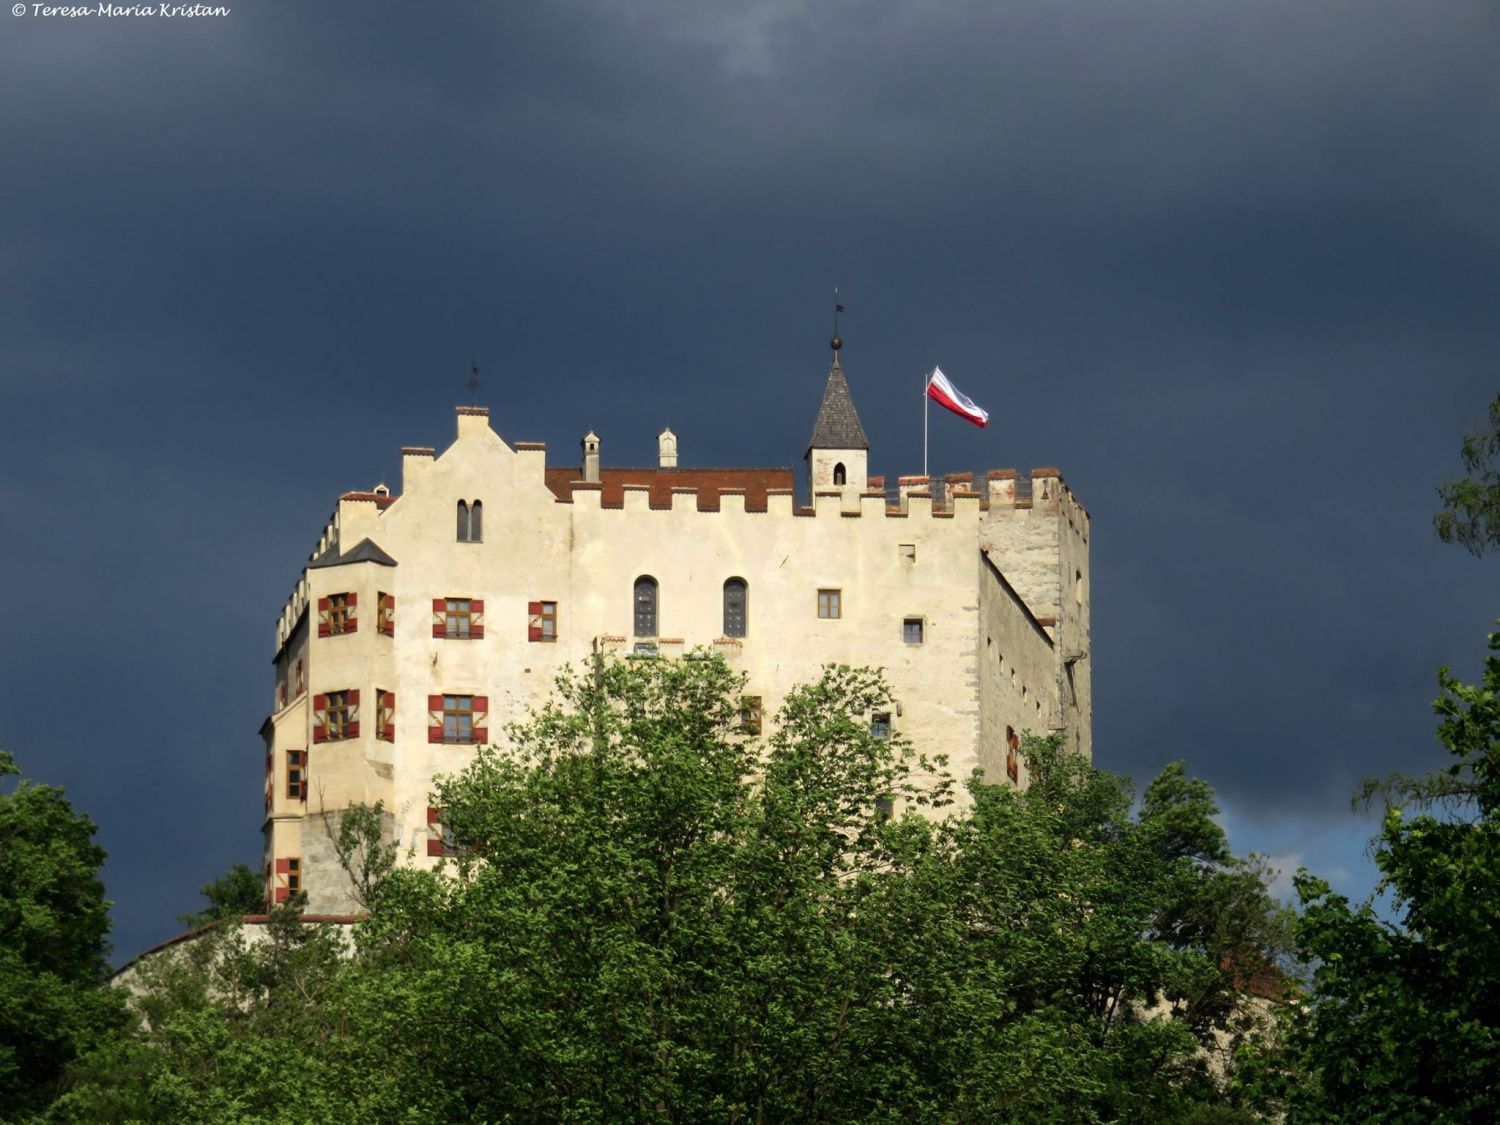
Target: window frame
(646, 582)
(831, 603)
(338, 614)
(548, 622)
(296, 762)
(458, 707)
(880, 725)
(458, 619)
(736, 585)
(336, 703)
(921, 630)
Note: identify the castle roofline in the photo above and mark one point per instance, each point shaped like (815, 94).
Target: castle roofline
(661, 483)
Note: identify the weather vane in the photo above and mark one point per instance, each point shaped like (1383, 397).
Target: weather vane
(473, 383)
(837, 308)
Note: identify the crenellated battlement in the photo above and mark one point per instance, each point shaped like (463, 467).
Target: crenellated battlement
(492, 570)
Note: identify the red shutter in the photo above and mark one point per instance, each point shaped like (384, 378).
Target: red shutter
(434, 816)
(351, 619)
(440, 609)
(481, 715)
(476, 605)
(281, 894)
(476, 609)
(354, 697)
(322, 617)
(388, 727)
(435, 725)
(435, 846)
(352, 728)
(534, 631)
(320, 718)
(353, 599)
(282, 866)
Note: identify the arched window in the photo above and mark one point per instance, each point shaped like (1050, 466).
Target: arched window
(645, 606)
(470, 521)
(736, 607)
(838, 473)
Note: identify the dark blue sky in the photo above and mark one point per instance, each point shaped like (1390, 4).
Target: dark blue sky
(1232, 267)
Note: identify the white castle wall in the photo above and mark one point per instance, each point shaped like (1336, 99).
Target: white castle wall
(889, 563)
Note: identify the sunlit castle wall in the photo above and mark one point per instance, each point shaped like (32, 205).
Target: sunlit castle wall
(428, 619)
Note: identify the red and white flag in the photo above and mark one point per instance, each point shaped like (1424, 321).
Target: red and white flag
(944, 393)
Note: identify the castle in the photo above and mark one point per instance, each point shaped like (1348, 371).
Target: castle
(424, 621)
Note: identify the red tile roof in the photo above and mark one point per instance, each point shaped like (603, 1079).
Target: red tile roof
(661, 482)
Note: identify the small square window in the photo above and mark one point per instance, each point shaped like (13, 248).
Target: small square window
(880, 724)
(911, 630)
(830, 605)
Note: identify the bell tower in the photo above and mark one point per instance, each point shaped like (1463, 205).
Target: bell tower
(838, 452)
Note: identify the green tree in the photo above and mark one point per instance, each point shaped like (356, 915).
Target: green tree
(1404, 1019)
(655, 914)
(1471, 504)
(237, 892)
(53, 923)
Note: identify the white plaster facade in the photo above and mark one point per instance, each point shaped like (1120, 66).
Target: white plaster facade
(998, 579)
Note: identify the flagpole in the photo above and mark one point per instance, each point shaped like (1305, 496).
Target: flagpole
(925, 381)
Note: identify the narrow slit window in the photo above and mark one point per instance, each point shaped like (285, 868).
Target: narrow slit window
(736, 607)
(839, 475)
(645, 606)
(463, 521)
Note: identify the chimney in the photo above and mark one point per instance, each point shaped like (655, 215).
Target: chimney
(591, 457)
(666, 449)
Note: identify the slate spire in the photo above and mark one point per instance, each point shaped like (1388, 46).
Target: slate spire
(838, 425)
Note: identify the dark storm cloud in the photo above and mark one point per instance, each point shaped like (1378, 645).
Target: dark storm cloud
(1231, 266)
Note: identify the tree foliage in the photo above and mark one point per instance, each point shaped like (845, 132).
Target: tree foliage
(1404, 1020)
(53, 923)
(237, 892)
(1470, 515)
(653, 914)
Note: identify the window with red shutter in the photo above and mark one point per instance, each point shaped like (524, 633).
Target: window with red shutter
(440, 617)
(476, 618)
(440, 840)
(434, 718)
(543, 621)
(324, 608)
